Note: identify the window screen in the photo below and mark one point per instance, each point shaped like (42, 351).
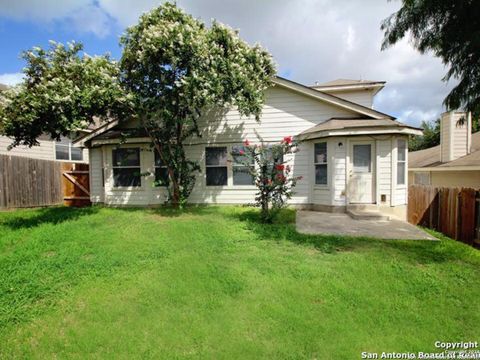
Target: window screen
(126, 167)
(321, 166)
(216, 166)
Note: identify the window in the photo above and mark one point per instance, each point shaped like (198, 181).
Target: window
(161, 171)
(216, 166)
(401, 162)
(274, 157)
(362, 158)
(320, 161)
(64, 150)
(241, 173)
(126, 167)
(421, 178)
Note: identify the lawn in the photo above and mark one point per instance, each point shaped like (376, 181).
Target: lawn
(213, 283)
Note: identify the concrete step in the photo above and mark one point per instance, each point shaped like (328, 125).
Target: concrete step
(367, 215)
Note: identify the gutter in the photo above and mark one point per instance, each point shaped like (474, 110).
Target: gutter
(447, 168)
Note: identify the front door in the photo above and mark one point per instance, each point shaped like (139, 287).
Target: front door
(362, 168)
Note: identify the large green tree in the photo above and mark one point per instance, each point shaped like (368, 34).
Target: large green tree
(177, 68)
(451, 30)
(429, 138)
(62, 91)
(173, 69)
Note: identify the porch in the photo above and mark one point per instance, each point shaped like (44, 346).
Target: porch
(315, 222)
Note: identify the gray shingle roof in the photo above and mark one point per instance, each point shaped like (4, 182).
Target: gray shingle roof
(431, 157)
(352, 124)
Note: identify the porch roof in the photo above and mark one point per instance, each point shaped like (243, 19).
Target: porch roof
(357, 126)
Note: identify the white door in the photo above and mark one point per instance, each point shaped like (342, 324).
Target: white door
(361, 178)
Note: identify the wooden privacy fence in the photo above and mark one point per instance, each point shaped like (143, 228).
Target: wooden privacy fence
(451, 211)
(26, 182)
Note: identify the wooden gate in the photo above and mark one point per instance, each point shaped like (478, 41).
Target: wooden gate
(76, 185)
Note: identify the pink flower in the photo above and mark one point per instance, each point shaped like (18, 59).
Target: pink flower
(287, 140)
(241, 152)
(281, 177)
(246, 143)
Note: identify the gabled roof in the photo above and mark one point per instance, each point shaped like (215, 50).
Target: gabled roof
(329, 98)
(3, 87)
(351, 126)
(347, 82)
(361, 110)
(431, 158)
(342, 85)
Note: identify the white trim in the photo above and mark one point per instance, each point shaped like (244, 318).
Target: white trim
(373, 169)
(377, 172)
(405, 175)
(329, 160)
(393, 179)
(447, 168)
(376, 86)
(141, 140)
(367, 132)
(81, 141)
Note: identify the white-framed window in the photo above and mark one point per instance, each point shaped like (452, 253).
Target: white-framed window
(161, 171)
(64, 150)
(240, 173)
(401, 162)
(216, 166)
(126, 167)
(321, 163)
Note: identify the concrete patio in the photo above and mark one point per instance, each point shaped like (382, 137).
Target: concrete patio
(314, 222)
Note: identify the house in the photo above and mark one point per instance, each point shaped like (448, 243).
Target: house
(350, 154)
(47, 149)
(453, 163)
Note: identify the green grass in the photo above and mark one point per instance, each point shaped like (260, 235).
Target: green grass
(213, 283)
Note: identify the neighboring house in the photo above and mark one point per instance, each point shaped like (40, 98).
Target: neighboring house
(349, 153)
(47, 149)
(453, 163)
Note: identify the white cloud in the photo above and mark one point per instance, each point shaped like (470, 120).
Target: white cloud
(11, 79)
(311, 40)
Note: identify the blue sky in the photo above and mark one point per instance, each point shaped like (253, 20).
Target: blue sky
(311, 40)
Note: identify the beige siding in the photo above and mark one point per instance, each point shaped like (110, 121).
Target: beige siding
(96, 178)
(45, 151)
(285, 113)
(362, 97)
(456, 178)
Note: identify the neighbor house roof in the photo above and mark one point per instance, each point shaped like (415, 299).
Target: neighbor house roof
(3, 87)
(354, 126)
(431, 158)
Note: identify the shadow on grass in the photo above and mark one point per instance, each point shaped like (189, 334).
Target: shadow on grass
(283, 228)
(51, 215)
(169, 211)
(414, 251)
